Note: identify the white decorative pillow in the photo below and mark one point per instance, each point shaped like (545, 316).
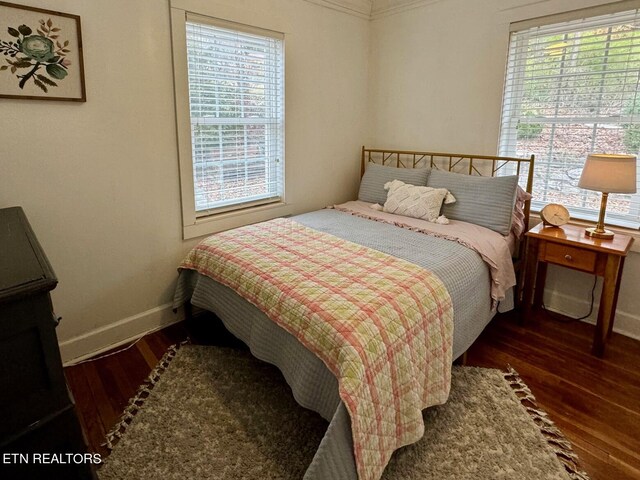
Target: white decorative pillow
(417, 202)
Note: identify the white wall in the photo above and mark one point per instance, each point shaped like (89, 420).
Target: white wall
(99, 180)
(437, 73)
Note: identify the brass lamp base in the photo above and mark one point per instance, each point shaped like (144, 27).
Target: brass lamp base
(592, 232)
(599, 231)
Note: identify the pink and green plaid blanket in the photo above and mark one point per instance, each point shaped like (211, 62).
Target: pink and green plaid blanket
(382, 325)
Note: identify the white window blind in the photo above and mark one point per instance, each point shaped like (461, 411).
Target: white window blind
(571, 88)
(236, 99)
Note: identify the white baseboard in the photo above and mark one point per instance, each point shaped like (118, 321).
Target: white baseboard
(625, 323)
(129, 329)
(115, 334)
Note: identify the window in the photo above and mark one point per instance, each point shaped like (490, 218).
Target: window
(230, 111)
(572, 88)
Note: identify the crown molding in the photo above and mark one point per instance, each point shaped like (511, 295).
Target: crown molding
(359, 8)
(373, 9)
(384, 8)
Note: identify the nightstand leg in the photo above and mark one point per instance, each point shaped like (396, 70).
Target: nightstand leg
(541, 279)
(606, 311)
(615, 297)
(529, 277)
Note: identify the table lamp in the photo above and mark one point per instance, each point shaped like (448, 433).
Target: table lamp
(607, 173)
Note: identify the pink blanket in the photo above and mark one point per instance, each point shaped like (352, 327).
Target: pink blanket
(491, 246)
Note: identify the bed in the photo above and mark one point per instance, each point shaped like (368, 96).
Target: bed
(468, 265)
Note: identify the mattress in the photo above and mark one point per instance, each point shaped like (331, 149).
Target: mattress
(461, 269)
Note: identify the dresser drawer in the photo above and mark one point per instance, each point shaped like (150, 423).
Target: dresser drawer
(571, 257)
(31, 375)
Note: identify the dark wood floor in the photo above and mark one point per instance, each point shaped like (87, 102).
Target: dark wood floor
(595, 402)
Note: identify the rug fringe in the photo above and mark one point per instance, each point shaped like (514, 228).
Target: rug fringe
(143, 392)
(554, 437)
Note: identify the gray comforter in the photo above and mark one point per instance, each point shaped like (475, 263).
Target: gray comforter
(462, 271)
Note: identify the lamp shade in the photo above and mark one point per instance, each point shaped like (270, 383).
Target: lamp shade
(609, 173)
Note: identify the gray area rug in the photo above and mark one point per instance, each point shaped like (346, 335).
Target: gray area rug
(210, 412)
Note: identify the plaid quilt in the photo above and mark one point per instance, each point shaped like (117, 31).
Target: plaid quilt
(382, 325)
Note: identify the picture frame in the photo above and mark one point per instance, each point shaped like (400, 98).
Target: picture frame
(41, 55)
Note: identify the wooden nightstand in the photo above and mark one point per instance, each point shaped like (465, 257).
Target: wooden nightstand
(569, 247)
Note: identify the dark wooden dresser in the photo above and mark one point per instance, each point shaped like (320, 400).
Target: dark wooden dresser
(37, 413)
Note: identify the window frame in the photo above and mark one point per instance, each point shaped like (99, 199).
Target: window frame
(514, 79)
(194, 223)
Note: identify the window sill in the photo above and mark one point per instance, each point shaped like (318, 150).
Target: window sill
(235, 218)
(534, 219)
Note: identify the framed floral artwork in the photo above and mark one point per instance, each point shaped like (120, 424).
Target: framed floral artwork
(40, 54)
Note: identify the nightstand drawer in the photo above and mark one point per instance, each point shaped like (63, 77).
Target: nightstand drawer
(577, 258)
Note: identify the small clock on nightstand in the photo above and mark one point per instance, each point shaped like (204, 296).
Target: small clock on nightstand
(555, 215)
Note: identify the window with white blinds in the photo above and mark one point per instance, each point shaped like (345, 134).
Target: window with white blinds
(571, 88)
(236, 104)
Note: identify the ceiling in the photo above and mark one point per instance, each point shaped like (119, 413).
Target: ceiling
(371, 8)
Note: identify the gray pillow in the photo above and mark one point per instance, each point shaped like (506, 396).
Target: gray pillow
(375, 176)
(485, 201)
